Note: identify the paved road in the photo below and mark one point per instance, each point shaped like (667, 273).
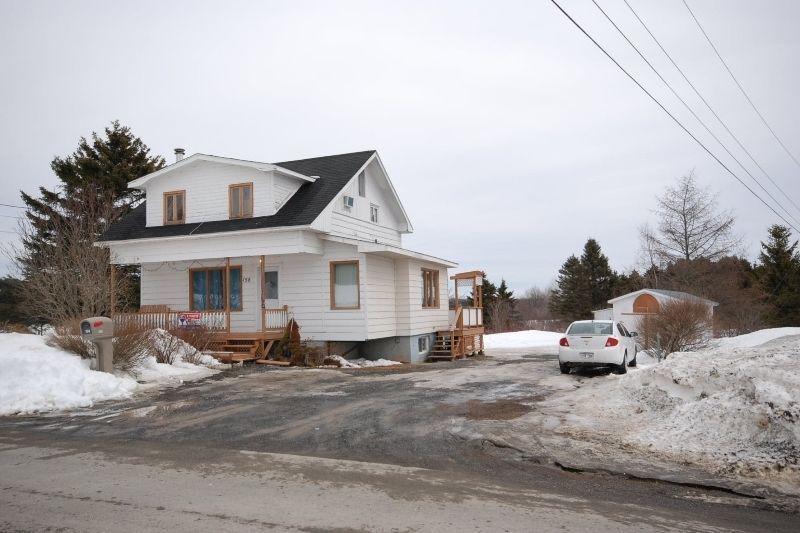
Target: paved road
(321, 450)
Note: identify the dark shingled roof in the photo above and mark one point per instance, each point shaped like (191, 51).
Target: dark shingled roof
(302, 209)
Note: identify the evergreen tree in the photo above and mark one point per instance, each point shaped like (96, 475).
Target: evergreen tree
(600, 277)
(92, 193)
(571, 299)
(779, 276)
(10, 308)
(489, 298)
(99, 169)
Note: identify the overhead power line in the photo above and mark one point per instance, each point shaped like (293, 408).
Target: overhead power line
(678, 122)
(736, 81)
(15, 206)
(694, 114)
(708, 105)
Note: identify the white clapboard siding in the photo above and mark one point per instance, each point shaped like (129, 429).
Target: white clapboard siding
(380, 297)
(345, 225)
(283, 188)
(412, 318)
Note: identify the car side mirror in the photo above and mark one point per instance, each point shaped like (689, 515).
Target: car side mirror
(634, 334)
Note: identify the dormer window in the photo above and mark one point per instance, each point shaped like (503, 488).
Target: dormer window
(174, 207)
(240, 200)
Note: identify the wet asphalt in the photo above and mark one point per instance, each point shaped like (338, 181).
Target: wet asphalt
(374, 415)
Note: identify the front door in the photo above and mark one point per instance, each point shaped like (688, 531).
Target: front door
(271, 288)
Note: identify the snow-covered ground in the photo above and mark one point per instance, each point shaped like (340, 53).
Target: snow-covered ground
(522, 339)
(361, 362)
(733, 409)
(35, 377)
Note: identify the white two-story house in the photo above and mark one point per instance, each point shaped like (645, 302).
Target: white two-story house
(242, 246)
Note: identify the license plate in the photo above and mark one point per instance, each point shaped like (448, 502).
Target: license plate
(587, 355)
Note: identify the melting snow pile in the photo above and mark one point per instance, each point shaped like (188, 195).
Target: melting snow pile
(361, 363)
(37, 377)
(734, 410)
(531, 338)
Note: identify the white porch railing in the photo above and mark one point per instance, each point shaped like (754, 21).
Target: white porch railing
(275, 318)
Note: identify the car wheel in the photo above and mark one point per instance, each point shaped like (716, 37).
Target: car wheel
(623, 368)
(632, 364)
(564, 368)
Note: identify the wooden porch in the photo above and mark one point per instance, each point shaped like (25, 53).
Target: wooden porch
(227, 345)
(464, 338)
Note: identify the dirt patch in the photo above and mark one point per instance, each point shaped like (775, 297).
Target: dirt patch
(497, 410)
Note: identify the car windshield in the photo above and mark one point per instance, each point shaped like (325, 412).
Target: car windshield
(590, 328)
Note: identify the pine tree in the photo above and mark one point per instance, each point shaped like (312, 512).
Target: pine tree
(98, 170)
(779, 276)
(599, 275)
(571, 299)
(91, 195)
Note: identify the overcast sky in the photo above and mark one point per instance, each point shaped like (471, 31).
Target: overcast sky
(510, 138)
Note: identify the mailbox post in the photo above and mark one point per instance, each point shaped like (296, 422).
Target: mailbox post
(100, 330)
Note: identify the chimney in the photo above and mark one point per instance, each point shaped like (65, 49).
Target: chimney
(179, 153)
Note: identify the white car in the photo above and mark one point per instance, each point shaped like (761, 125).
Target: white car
(597, 343)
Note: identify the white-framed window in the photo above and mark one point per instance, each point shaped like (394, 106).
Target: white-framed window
(373, 213)
(362, 185)
(422, 344)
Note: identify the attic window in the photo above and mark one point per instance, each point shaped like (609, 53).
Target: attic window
(373, 213)
(174, 207)
(240, 200)
(362, 185)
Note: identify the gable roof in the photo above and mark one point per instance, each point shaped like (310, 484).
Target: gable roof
(334, 171)
(678, 295)
(266, 167)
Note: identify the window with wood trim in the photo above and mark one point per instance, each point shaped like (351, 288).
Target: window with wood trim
(345, 292)
(430, 288)
(240, 200)
(208, 289)
(175, 207)
(373, 213)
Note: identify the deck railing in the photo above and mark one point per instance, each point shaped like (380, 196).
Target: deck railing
(467, 317)
(275, 318)
(213, 320)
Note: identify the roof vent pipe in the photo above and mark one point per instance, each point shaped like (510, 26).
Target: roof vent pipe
(179, 153)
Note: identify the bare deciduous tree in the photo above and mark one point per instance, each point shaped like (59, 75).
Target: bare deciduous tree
(689, 226)
(69, 277)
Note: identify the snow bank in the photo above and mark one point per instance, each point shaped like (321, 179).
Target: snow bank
(361, 363)
(35, 377)
(756, 338)
(522, 339)
(735, 411)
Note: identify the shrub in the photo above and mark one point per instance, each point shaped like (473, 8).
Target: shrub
(680, 325)
(165, 346)
(306, 354)
(132, 344)
(67, 336)
(199, 337)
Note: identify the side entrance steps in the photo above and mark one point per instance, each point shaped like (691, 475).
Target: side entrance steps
(446, 348)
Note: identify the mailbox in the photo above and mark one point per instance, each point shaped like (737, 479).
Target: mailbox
(100, 330)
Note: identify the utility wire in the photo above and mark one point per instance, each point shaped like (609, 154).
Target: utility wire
(708, 105)
(678, 122)
(749, 100)
(15, 206)
(695, 115)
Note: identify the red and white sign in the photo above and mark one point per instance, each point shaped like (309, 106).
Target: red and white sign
(189, 319)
